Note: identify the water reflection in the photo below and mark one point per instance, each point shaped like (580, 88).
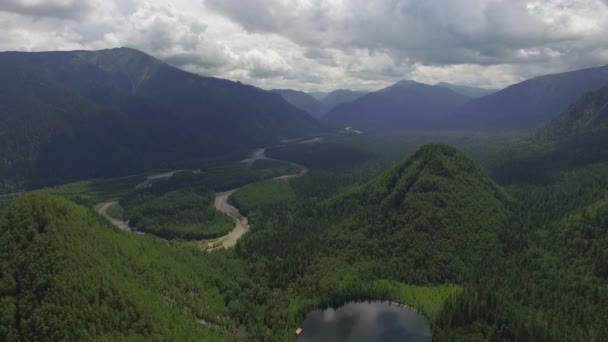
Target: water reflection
(368, 321)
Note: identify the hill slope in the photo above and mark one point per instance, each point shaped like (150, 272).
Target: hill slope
(434, 217)
(575, 138)
(67, 275)
(530, 103)
(405, 105)
(473, 92)
(303, 101)
(81, 114)
(340, 96)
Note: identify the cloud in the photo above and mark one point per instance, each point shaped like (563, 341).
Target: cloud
(265, 64)
(327, 44)
(62, 9)
(165, 32)
(431, 32)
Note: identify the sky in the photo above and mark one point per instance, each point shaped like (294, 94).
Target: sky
(321, 45)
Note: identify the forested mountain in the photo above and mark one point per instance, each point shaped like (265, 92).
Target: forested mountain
(340, 96)
(575, 138)
(435, 213)
(82, 114)
(473, 92)
(432, 219)
(405, 105)
(303, 101)
(528, 104)
(585, 118)
(69, 276)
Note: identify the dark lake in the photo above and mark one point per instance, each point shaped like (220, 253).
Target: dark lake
(366, 321)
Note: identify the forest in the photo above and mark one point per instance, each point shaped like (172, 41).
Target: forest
(484, 250)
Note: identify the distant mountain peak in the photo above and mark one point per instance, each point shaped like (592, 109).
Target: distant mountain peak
(467, 90)
(528, 104)
(408, 83)
(404, 105)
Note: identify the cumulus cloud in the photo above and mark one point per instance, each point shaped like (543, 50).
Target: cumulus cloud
(63, 9)
(327, 44)
(432, 32)
(168, 34)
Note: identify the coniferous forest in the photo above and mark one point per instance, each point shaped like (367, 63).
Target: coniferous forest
(488, 235)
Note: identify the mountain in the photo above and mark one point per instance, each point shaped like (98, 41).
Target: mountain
(318, 104)
(405, 105)
(473, 92)
(575, 138)
(302, 101)
(340, 96)
(585, 118)
(530, 103)
(82, 114)
(319, 95)
(435, 213)
(68, 275)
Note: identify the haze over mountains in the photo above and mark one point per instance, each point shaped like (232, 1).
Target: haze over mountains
(467, 90)
(404, 105)
(319, 104)
(413, 106)
(118, 111)
(530, 103)
(577, 137)
(303, 101)
(121, 111)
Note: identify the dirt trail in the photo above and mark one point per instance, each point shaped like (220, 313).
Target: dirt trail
(102, 209)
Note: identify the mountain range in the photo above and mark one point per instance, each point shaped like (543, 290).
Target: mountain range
(473, 92)
(303, 101)
(577, 137)
(415, 106)
(318, 104)
(83, 114)
(528, 104)
(404, 105)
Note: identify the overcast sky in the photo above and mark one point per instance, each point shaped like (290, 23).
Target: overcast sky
(327, 44)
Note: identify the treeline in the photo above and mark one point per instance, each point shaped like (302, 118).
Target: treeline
(183, 206)
(182, 214)
(68, 275)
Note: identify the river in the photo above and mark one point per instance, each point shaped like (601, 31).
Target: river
(241, 224)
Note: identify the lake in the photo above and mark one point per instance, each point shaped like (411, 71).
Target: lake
(365, 321)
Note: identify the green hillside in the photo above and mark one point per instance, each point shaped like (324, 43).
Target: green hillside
(68, 275)
(435, 217)
(75, 115)
(575, 138)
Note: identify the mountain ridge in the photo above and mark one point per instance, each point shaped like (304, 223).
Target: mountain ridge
(143, 114)
(530, 103)
(403, 105)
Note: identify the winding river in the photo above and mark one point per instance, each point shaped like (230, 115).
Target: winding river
(241, 223)
(221, 204)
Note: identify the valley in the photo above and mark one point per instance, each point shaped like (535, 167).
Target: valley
(220, 203)
(138, 205)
